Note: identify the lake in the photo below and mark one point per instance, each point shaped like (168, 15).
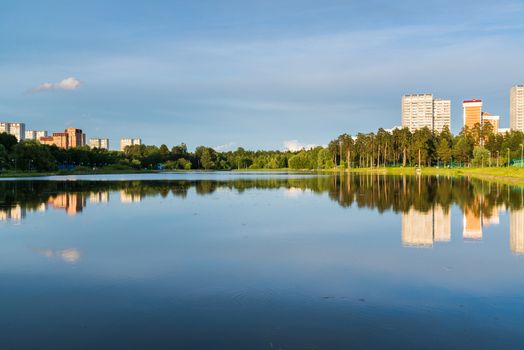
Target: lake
(260, 261)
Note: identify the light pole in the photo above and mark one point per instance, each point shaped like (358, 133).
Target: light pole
(498, 159)
(521, 154)
(508, 157)
(489, 153)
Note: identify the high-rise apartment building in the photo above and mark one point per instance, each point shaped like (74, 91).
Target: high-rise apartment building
(15, 129)
(421, 110)
(70, 138)
(417, 111)
(494, 120)
(76, 137)
(99, 143)
(472, 112)
(516, 108)
(441, 114)
(35, 134)
(30, 135)
(129, 142)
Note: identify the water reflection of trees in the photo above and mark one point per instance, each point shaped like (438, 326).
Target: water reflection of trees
(424, 202)
(378, 192)
(402, 193)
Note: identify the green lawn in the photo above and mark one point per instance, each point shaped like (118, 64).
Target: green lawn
(511, 175)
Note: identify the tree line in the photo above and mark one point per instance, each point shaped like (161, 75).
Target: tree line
(476, 146)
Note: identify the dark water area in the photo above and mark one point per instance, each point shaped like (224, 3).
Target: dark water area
(261, 261)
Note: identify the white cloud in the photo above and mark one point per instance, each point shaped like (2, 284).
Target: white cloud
(225, 147)
(294, 145)
(70, 83)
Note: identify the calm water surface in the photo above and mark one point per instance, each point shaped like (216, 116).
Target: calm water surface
(260, 261)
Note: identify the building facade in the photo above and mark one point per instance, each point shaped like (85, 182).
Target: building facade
(30, 135)
(417, 111)
(441, 114)
(70, 138)
(35, 134)
(472, 110)
(129, 142)
(76, 138)
(494, 120)
(516, 108)
(15, 129)
(99, 143)
(421, 110)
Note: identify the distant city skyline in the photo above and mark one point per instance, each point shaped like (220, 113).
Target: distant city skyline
(418, 110)
(253, 74)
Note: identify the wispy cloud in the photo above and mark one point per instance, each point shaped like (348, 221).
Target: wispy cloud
(225, 147)
(70, 83)
(294, 145)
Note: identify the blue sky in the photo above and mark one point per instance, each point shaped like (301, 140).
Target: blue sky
(250, 73)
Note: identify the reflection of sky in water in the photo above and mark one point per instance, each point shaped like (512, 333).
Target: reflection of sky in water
(70, 255)
(252, 268)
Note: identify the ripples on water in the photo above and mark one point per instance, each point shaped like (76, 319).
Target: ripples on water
(261, 261)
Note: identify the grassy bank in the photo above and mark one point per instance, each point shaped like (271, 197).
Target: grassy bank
(511, 175)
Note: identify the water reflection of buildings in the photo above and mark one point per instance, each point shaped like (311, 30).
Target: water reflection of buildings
(516, 231)
(73, 203)
(472, 223)
(475, 219)
(422, 229)
(126, 197)
(16, 213)
(99, 197)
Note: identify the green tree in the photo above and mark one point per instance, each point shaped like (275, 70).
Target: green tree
(31, 155)
(480, 156)
(402, 142)
(179, 151)
(462, 149)
(8, 141)
(444, 151)
(4, 158)
(422, 146)
(207, 159)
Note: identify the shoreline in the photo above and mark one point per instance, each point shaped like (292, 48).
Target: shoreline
(511, 176)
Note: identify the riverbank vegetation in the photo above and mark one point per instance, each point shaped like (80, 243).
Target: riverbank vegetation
(475, 147)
